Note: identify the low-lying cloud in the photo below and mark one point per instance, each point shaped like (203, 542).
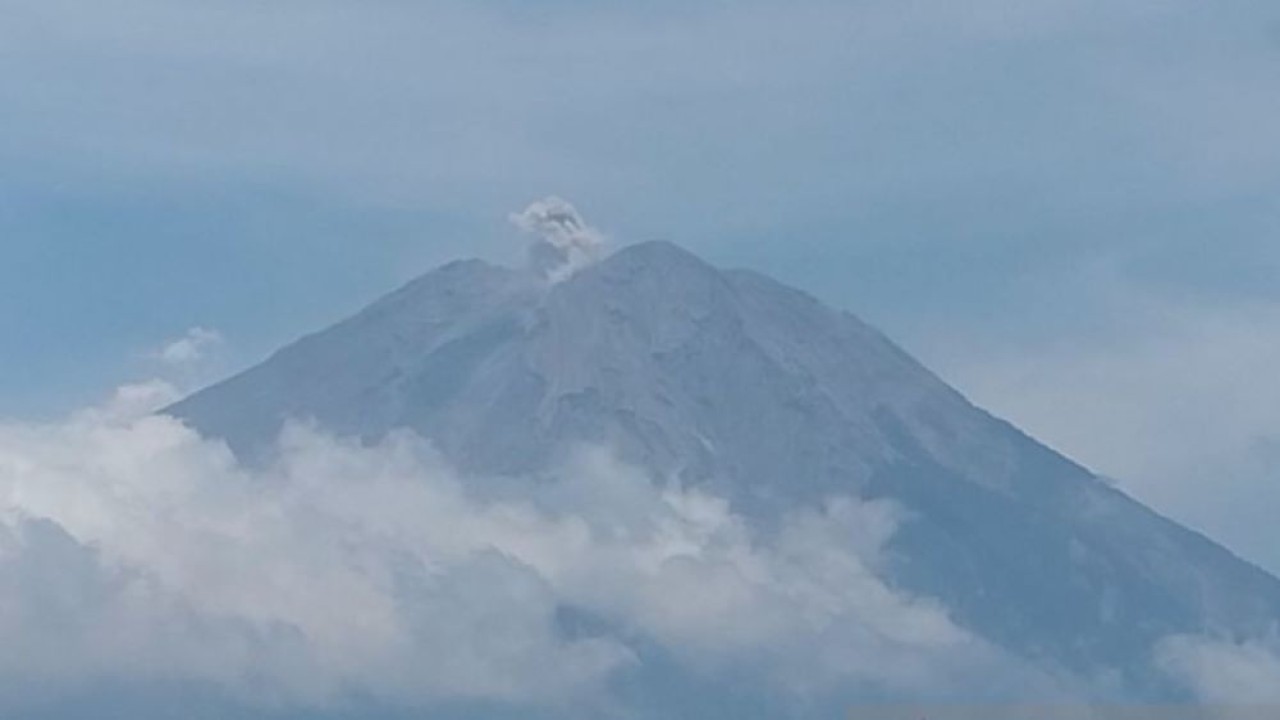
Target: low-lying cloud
(133, 551)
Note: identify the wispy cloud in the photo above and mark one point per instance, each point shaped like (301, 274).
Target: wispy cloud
(192, 347)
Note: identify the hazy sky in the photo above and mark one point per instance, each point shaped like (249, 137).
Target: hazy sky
(1070, 209)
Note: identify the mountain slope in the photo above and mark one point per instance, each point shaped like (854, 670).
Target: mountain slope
(757, 391)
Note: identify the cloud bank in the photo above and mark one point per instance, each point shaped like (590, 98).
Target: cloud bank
(135, 553)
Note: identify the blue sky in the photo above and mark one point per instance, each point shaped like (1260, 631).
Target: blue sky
(1068, 208)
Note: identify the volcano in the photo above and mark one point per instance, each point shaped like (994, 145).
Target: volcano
(730, 381)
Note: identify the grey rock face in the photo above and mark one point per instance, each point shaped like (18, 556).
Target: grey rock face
(757, 391)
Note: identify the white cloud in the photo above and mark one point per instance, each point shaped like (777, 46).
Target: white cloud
(132, 550)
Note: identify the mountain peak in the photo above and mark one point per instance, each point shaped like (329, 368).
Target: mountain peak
(653, 264)
(657, 253)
